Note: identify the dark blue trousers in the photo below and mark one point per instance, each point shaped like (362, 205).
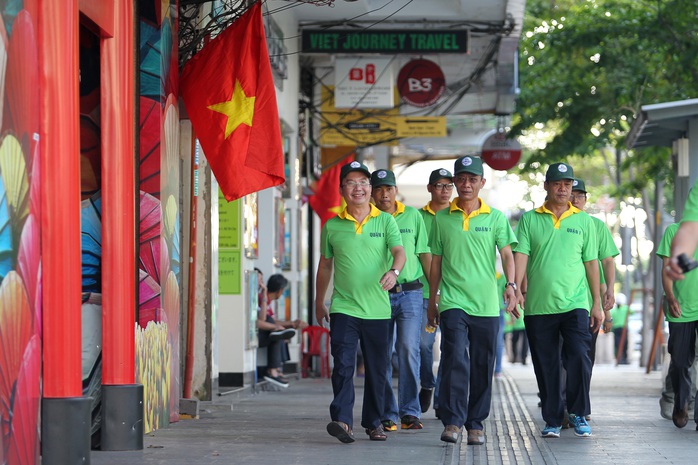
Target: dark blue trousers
(561, 341)
(467, 365)
(682, 347)
(346, 333)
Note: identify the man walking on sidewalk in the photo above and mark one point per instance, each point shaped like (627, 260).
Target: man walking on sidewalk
(464, 242)
(440, 188)
(682, 315)
(356, 245)
(405, 305)
(557, 252)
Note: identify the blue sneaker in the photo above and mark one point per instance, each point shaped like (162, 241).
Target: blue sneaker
(551, 431)
(580, 425)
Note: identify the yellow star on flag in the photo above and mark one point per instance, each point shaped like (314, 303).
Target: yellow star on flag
(239, 109)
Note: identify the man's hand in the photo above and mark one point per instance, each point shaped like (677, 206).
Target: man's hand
(596, 317)
(510, 298)
(388, 280)
(609, 300)
(520, 304)
(433, 313)
(673, 270)
(321, 314)
(674, 306)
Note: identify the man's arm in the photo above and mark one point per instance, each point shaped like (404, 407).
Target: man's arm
(509, 268)
(389, 279)
(434, 283)
(322, 281)
(685, 241)
(425, 261)
(592, 272)
(609, 272)
(520, 265)
(668, 284)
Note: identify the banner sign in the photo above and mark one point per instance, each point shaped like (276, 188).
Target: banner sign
(363, 83)
(387, 41)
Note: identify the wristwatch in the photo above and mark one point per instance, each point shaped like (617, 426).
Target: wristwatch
(396, 271)
(513, 286)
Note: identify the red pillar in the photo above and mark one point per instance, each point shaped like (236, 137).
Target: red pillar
(118, 199)
(66, 415)
(60, 185)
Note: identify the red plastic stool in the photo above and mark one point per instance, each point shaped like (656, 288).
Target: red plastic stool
(315, 342)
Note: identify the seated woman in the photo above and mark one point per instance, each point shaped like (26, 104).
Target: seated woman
(273, 332)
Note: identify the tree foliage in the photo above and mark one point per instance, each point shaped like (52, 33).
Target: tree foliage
(586, 68)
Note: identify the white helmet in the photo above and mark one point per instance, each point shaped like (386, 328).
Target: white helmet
(621, 299)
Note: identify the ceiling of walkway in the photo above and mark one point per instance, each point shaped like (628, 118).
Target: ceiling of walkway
(481, 86)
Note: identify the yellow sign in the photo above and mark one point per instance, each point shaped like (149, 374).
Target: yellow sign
(355, 127)
(421, 126)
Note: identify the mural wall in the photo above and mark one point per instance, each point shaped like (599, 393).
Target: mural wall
(158, 326)
(20, 244)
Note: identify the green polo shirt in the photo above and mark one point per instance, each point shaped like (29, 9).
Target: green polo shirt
(429, 217)
(607, 248)
(414, 240)
(686, 290)
(690, 210)
(360, 260)
(557, 249)
(467, 245)
(619, 314)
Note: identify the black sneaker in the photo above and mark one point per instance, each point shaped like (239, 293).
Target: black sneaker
(425, 399)
(276, 380)
(283, 334)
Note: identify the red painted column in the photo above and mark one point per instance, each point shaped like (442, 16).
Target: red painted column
(60, 185)
(118, 199)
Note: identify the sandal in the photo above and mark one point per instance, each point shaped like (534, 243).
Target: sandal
(341, 431)
(376, 434)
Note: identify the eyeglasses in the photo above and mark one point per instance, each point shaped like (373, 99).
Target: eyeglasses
(578, 197)
(440, 186)
(353, 184)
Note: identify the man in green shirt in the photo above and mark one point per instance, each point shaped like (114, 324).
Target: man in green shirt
(558, 254)
(463, 243)
(358, 245)
(440, 188)
(682, 313)
(405, 304)
(607, 269)
(686, 238)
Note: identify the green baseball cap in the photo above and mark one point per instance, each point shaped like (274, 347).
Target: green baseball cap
(468, 164)
(441, 173)
(559, 171)
(383, 178)
(353, 166)
(578, 185)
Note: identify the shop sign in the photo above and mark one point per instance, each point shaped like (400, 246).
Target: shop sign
(363, 83)
(387, 41)
(421, 83)
(500, 152)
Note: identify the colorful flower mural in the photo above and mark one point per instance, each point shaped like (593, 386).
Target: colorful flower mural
(20, 242)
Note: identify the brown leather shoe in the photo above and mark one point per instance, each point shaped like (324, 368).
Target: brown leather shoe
(476, 437)
(377, 433)
(450, 434)
(341, 431)
(680, 416)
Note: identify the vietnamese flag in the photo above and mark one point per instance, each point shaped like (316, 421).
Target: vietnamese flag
(228, 91)
(326, 201)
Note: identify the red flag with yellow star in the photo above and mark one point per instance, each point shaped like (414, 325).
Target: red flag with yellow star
(228, 91)
(326, 201)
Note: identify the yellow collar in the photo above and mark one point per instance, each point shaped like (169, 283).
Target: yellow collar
(484, 209)
(399, 208)
(571, 210)
(345, 215)
(427, 208)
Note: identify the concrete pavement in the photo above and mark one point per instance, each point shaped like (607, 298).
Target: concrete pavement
(288, 427)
